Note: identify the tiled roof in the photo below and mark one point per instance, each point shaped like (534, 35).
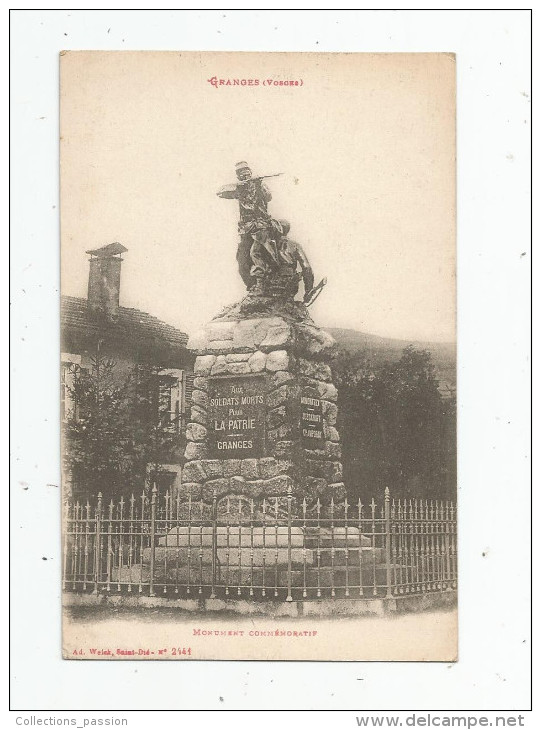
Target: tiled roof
(131, 324)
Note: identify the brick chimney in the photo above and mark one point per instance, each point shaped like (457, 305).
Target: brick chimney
(104, 279)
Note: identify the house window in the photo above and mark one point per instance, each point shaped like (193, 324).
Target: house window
(165, 481)
(69, 365)
(172, 399)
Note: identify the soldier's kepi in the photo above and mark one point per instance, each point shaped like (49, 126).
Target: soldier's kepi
(255, 225)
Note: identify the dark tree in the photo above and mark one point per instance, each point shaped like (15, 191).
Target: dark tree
(364, 452)
(412, 411)
(120, 430)
(97, 430)
(396, 428)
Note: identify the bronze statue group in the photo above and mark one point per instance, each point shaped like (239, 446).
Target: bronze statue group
(270, 263)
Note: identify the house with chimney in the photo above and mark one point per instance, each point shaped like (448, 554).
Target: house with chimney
(99, 327)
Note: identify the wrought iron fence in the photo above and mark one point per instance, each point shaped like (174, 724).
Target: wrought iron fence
(269, 549)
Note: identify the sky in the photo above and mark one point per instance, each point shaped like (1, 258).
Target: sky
(366, 144)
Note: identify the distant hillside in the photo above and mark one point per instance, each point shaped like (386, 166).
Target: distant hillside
(382, 349)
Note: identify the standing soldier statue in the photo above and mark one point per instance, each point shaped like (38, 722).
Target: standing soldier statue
(256, 253)
(267, 259)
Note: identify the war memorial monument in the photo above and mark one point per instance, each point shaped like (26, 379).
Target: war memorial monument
(260, 520)
(263, 416)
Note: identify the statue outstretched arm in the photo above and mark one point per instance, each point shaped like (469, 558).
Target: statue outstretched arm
(228, 191)
(266, 193)
(260, 187)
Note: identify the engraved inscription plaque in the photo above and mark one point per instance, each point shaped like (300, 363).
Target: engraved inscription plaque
(237, 417)
(311, 419)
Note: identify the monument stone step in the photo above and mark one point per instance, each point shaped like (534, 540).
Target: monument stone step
(196, 555)
(270, 536)
(233, 535)
(232, 575)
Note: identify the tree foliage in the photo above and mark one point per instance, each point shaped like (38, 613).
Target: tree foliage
(118, 432)
(396, 428)
(97, 428)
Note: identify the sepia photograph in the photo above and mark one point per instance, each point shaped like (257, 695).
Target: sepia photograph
(270, 284)
(258, 356)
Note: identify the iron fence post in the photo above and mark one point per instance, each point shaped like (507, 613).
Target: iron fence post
(109, 563)
(65, 537)
(87, 530)
(387, 503)
(447, 549)
(214, 542)
(289, 500)
(152, 537)
(97, 545)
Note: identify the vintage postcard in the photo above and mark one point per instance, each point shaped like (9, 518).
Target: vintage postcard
(258, 356)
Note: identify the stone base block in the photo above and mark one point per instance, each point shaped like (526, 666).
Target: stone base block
(131, 574)
(343, 607)
(233, 536)
(195, 556)
(247, 608)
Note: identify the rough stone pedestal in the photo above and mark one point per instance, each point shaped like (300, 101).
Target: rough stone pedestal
(263, 383)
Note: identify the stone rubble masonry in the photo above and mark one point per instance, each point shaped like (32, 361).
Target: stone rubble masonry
(330, 412)
(200, 398)
(232, 467)
(257, 361)
(290, 356)
(263, 334)
(200, 383)
(316, 370)
(277, 360)
(197, 432)
(194, 450)
(203, 364)
(198, 415)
